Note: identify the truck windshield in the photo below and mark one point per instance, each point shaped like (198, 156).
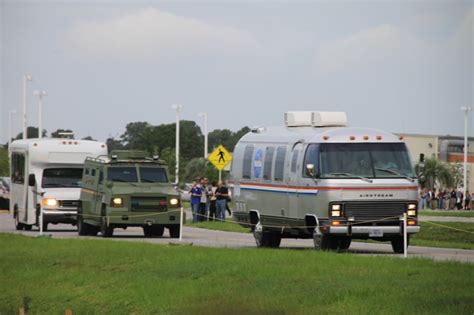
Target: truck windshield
(122, 174)
(153, 175)
(366, 160)
(62, 177)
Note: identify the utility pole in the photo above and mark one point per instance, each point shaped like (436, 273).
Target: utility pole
(178, 109)
(40, 95)
(204, 115)
(26, 78)
(466, 110)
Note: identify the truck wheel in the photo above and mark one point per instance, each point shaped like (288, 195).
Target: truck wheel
(266, 238)
(345, 243)
(174, 231)
(27, 227)
(397, 244)
(106, 231)
(45, 226)
(147, 230)
(159, 230)
(82, 228)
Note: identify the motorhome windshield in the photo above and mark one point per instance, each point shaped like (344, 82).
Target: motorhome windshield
(153, 175)
(62, 177)
(366, 160)
(122, 174)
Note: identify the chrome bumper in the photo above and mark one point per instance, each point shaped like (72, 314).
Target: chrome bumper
(59, 212)
(367, 229)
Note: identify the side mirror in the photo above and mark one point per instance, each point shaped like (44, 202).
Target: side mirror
(31, 180)
(109, 184)
(310, 169)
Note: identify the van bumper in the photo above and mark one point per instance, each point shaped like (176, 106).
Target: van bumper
(367, 230)
(59, 216)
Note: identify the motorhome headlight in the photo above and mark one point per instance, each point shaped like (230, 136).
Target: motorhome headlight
(336, 210)
(49, 202)
(411, 209)
(174, 201)
(117, 201)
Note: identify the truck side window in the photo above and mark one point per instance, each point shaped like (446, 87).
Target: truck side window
(93, 172)
(311, 157)
(267, 167)
(87, 171)
(18, 168)
(279, 163)
(101, 177)
(247, 165)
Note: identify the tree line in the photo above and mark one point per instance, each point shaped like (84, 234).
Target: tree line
(160, 140)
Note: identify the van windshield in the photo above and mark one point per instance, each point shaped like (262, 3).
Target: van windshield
(122, 174)
(62, 177)
(367, 160)
(153, 175)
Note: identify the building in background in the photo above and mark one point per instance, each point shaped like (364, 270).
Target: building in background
(448, 149)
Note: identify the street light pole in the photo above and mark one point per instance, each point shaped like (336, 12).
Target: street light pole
(466, 110)
(178, 109)
(40, 95)
(204, 115)
(26, 78)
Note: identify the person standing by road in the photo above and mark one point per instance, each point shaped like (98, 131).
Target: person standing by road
(204, 204)
(213, 199)
(467, 201)
(196, 193)
(222, 193)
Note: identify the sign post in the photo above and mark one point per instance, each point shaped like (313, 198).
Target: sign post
(220, 157)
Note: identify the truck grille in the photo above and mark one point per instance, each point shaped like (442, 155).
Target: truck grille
(68, 203)
(374, 210)
(149, 204)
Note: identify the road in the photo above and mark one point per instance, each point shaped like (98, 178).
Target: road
(209, 238)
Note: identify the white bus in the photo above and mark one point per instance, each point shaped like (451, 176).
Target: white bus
(46, 174)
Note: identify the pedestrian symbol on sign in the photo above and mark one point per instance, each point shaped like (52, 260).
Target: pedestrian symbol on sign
(220, 157)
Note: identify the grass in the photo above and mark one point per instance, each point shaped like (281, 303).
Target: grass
(109, 277)
(434, 235)
(451, 213)
(227, 226)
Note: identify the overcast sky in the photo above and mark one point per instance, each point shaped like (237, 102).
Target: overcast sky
(402, 66)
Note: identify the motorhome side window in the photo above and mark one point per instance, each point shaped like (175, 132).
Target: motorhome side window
(294, 159)
(18, 168)
(311, 157)
(279, 163)
(267, 167)
(247, 165)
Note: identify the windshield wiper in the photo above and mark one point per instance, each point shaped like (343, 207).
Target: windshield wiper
(352, 175)
(395, 173)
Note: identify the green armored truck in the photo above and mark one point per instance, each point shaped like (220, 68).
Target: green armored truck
(127, 189)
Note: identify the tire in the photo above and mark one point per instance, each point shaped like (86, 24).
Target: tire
(106, 231)
(398, 244)
(19, 226)
(325, 242)
(45, 226)
(266, 239)
(345, 243)
(174, 231)
(27, 227)
(82, 228)
(154, 230)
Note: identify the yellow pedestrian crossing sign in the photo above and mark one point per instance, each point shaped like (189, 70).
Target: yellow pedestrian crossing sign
(220, 157)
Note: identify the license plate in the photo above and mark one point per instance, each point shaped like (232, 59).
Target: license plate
(375, 233)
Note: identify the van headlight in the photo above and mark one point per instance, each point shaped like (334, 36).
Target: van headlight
(174, 201)
(117, 202)
(49, 202)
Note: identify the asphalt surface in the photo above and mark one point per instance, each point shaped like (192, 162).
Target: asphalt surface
(210, 238)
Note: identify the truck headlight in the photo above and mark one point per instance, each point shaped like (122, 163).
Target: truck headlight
(174, 201)
(117, 202)
(49, 202)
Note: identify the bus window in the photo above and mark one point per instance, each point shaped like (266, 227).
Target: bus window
(279, 163)
(267, 167)
(247, 164)
(18, 168)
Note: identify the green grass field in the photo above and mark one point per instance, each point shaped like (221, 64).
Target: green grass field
(110, 277)
(453, 213)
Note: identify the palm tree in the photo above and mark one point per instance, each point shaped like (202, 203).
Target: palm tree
(436, 173)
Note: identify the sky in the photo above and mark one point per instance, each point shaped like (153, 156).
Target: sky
(401, 66)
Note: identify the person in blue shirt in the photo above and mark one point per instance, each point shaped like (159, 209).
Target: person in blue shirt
(196, 193)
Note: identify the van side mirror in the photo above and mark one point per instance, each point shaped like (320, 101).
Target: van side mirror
(109, 184)
(31, 180)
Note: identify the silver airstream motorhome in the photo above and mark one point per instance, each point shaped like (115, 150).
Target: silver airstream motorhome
(316, 178)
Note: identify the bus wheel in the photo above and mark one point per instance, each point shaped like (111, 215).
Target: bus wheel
(345, 243)
(27, 227)
(106, 231)
(325, 242)
(266, 238)
(45, 226)
(174, 230)
(397, 244)
(19, 226)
